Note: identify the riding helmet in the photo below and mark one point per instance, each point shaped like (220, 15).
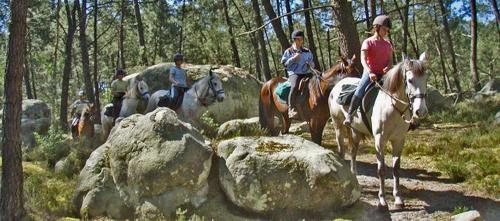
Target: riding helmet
(297, 33)
(382, 20)
(178, 57)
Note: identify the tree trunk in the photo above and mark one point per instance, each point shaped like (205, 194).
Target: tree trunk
(278, 28)
(121, 48)
(328, 39)
(497, 16)
(318, 38)
(27, 80)
(11, 199)
(181, 37)
(450, 46)
(71, 20)
(140, 31)
(310, 35)
(382, 11)
(473, 48)
(367, 16)
(348, 35)
(96, 63)
(289, 17)
(56, 47)
(262, 44)
(234, 47)
(439, 48)
(406, 33)
(84, 50)
(415, 29)
(258, 69)
(373, 10)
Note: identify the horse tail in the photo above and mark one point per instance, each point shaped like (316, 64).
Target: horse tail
(262, 115)
(265, 93)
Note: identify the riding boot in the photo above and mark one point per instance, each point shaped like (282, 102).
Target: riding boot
(355, 102)
(291, 104)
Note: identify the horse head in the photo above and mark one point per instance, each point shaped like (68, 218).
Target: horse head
(142, 88)
(410, 73)
(215, 89)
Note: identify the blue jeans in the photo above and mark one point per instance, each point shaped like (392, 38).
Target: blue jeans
(363, 83)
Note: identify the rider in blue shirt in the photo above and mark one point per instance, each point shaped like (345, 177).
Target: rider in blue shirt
(297, 60)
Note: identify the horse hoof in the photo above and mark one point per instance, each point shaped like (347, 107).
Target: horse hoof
(399, 206)
(382, 208)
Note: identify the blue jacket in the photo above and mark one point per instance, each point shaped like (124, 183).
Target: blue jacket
(299, 66)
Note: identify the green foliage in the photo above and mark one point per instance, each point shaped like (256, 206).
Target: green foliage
(467, 154)
(181, 214)
(209, 126)
(51, 147)
(460, 209)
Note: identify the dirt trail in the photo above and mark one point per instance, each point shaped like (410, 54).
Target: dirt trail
(428, 194)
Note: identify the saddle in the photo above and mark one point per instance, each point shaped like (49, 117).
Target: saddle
(109, 111)
(366, 106)
(283, 89)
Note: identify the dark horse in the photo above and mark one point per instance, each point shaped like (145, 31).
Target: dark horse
(312, 102)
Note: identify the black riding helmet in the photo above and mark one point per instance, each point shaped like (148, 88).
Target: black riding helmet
(120, 71)
(178, 57)
(383, 20)
(297, 33)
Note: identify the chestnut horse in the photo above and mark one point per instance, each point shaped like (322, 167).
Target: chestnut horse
(312, 102)
(86, 123)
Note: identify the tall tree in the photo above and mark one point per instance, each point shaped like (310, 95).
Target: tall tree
(27, 80)
(310, 34)
(439, 49)
(348, 34)
(68, 51)
(96, 64)
(497, 16)
(181, 35)
(278, 28)
(56, 47)
(367, 15)
(140, 32)
(234, 47)
(449, 41)
(289, 17)
(373, 10)
(473, 48)
(406, 33)
(84, 50)
(121, 48)
(262, 43)
(415, 29)
(11, 198)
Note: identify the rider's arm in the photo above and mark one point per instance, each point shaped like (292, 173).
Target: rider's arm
(363, 60)
(171, 77)
(286, 59)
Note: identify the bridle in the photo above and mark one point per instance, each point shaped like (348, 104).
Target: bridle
(207, 100)
(409, 96)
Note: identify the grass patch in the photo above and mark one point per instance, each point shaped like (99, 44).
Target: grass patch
(470, 155)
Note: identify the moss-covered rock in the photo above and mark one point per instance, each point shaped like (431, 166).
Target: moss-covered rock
(278, 175)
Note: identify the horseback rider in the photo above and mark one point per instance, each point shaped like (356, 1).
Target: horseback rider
(297, 60)
(178, 78)
(376, 58)
(76, 111)
(118, 89)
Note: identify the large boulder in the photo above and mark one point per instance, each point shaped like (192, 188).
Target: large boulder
(150, 161)
(35, 118)
(491, 87)
(241, 88)
(435, 101)
(283, 175)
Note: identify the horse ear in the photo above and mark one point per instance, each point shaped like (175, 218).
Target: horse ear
(423, 57)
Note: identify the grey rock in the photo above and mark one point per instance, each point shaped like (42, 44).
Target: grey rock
(284, 174)
(241, 88)
(472, 215)
(299, 128)
(239, 127)
(153, 158)
(435, 101)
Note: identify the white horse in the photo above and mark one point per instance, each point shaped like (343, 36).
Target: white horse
(400, 101)
(202, 94)
(137, 90)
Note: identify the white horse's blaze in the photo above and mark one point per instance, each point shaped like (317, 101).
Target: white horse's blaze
(407, 85)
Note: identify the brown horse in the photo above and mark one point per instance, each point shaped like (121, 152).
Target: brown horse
(86, 123)
(312, 101)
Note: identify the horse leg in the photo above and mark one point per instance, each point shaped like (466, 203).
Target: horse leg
(339, 136)
(379, 146)
(354, 140)
(397, 147)
(316, 127)
(286, 122)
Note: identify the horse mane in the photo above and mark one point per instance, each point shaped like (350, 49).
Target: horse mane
(394, 78)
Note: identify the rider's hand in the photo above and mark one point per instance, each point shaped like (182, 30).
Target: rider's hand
(386, 69)
(296, 56)
(373, 77)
